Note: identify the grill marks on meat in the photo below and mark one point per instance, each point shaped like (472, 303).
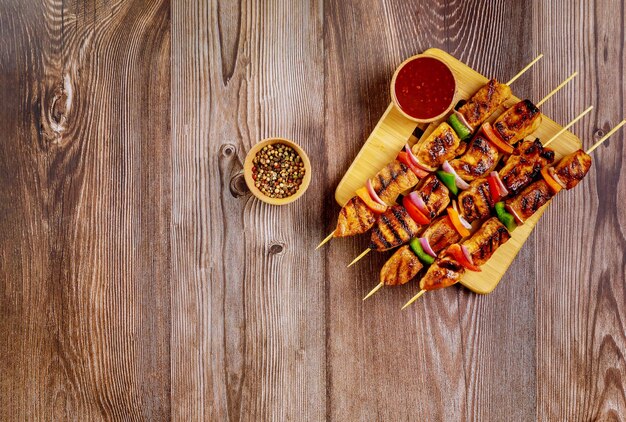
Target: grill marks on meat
(401, 267)
(392, 180)
(518, 121)
(486, 100)
(439, 146)
(444, 272)
(393, 228)
(573, 168)
(475, 202)
(528, 201)
(480, 158)
(482, 245)
(435, 194)
(354, 218)
(441, 234)
(525, 164)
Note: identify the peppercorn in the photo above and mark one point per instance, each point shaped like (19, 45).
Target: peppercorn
(278, 170)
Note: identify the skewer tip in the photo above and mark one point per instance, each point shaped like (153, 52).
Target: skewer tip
(355, 260)
(374, 290)
(413, 299)
(605, 137)
(323, 242)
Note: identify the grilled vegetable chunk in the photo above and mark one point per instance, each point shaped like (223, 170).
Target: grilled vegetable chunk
(480, 158)
(355, 218)
(441, 234)
(393, 179)
(524, 165)
(439, 146)
(486, 240)
(528, 201)
(518, 122)
(475, 202)
(444, 272)
(393, 228)
(435, 194)
(401, 267)
(573, 168)
(486, 100)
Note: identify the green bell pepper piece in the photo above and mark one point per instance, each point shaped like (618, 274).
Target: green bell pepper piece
(449, 180)
(505, 217)
(416, 247)
(458, 126)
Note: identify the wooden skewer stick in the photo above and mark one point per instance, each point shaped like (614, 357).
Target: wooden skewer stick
(413, 299)
(330, 236)
(555, 90)
(605, 137)
(528, 66)
(569, 125)
(354, 261)
(374, 290)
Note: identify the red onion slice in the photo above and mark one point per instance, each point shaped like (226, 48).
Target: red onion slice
(415, 161)
(426, 247)
(514, 214)
(556, 177)
(419, 203)
(373, 193)
(460, 183)
(503, 189)
(465, 223)
(467, 254)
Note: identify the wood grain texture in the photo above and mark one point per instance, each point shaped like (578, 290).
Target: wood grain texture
(84, 188)
(247, 294)
(139, 281)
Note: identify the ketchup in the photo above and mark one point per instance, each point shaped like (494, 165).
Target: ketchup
(424, 88)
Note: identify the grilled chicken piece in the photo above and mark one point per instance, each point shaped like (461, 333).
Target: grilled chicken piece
(435, 194)
(486, 100)
(528, 201)
(480, 158)
(518, 122)
(393, 228)
(444, 272)
(475, 202)
(524, 165)
(486, 240)
(439, 146)
(441, 234)
(401, 267)
(573, 168)
(392, 180)
(354, 218)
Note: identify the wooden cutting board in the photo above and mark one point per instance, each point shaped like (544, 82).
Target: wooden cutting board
(393, 131)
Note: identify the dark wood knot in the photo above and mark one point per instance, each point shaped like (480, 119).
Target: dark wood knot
(227, 150)
(277, 248)
(598, 133)
(238, 185)
(60, 105)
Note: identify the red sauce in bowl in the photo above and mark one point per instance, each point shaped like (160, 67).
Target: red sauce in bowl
(424, 88)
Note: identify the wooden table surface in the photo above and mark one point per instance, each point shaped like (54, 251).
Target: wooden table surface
(140, 281)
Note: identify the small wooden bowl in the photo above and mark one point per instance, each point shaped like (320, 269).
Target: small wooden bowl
(397, 104)
(247, 171)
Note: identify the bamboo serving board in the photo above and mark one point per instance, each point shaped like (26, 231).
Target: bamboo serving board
(393, 131)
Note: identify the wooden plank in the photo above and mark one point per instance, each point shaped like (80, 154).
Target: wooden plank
(383, 364)
(392, 132)
(580, 290)
(247, 293)
(84, 211)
